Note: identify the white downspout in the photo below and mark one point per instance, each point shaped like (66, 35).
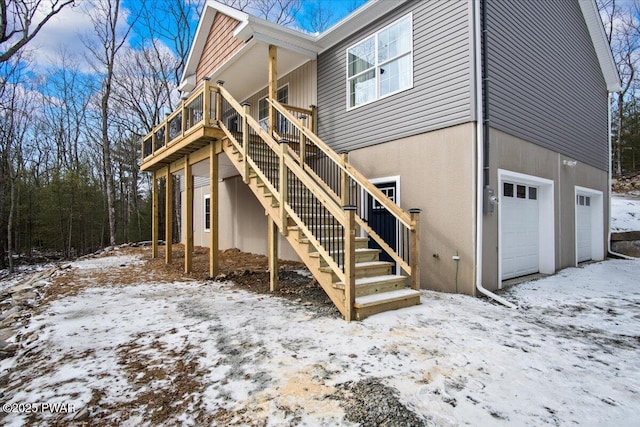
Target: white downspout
(611, 252)
(480, 157)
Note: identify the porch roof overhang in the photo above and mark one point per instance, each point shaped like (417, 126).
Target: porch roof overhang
(246, 72)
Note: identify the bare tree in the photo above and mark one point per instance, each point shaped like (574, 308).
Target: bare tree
(15, 115)
(175, 24)
(144, 86)
(20, 22)
(318, 16)
(282, 12)
(623, 32)
(106, 19)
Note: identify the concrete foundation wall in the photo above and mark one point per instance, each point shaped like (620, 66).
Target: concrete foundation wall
(436, 175)
(514, 154)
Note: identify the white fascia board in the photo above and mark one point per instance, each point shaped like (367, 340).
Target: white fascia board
(311, 54)
(356, 21)
(600, 44)
(187, 84)
(278, 35)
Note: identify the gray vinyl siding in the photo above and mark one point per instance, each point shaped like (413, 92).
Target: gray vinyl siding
(441, 95)
(302, 88)
(546, 85)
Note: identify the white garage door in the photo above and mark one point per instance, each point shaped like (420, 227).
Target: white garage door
(520, 230)
(583, 227)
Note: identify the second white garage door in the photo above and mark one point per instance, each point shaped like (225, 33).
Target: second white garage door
(520, 230)
(583, 227)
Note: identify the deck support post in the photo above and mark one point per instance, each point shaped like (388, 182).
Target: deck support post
(188, 246)
(312, 119)
(344, 181)
(273, 86)
(245, 142)
(350, 263)
(272, 241)
(206, 102)
(168, 223)
(414, 251)
(155, 215)
(219, 101)
(213, 210)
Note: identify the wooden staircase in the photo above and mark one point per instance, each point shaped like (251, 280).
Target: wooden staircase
(319, 211)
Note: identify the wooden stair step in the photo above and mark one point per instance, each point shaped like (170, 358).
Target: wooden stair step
(361, 242)
(324, 230)
(362, 255)
(376, 284)
(366, 269)
(377, 303)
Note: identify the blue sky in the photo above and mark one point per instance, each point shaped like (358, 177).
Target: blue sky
(67, 31)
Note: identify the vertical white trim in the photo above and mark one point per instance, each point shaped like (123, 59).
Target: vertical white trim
(597, 222)
(546, 221)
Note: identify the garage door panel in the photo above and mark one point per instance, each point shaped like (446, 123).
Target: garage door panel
(583, 228)
(520, 230)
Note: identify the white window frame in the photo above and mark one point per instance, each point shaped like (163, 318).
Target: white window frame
(207, 227)
(266, 119)
(377, 65)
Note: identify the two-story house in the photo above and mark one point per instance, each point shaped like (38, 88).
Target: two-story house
(440, 144)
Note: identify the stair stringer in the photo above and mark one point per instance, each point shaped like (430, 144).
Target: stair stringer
(301, 248)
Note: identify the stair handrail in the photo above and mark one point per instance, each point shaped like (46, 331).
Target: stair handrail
(406, 255)
(400, 214)
(292, 165)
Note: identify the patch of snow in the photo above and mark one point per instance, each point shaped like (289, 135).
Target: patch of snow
(107, 262)
(625, 213)
(569, 356)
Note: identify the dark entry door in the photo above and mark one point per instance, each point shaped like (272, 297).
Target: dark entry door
(382, 222)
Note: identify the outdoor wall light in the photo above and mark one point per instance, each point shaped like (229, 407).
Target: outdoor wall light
(570, 163)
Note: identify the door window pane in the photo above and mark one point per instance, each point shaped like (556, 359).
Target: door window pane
(521, 192)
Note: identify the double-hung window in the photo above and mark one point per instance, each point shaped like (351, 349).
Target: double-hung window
(381, 65)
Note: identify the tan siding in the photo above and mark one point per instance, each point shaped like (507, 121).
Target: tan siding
(219, 47)
(302, 88)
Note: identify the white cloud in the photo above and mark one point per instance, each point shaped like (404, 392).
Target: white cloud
(69, 31)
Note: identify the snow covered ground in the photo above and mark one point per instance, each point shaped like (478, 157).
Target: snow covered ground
(210, 354)
(625, 213)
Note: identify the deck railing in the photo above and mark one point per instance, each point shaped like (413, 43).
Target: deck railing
(200, 108)
(397, 232)
(318, 189)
